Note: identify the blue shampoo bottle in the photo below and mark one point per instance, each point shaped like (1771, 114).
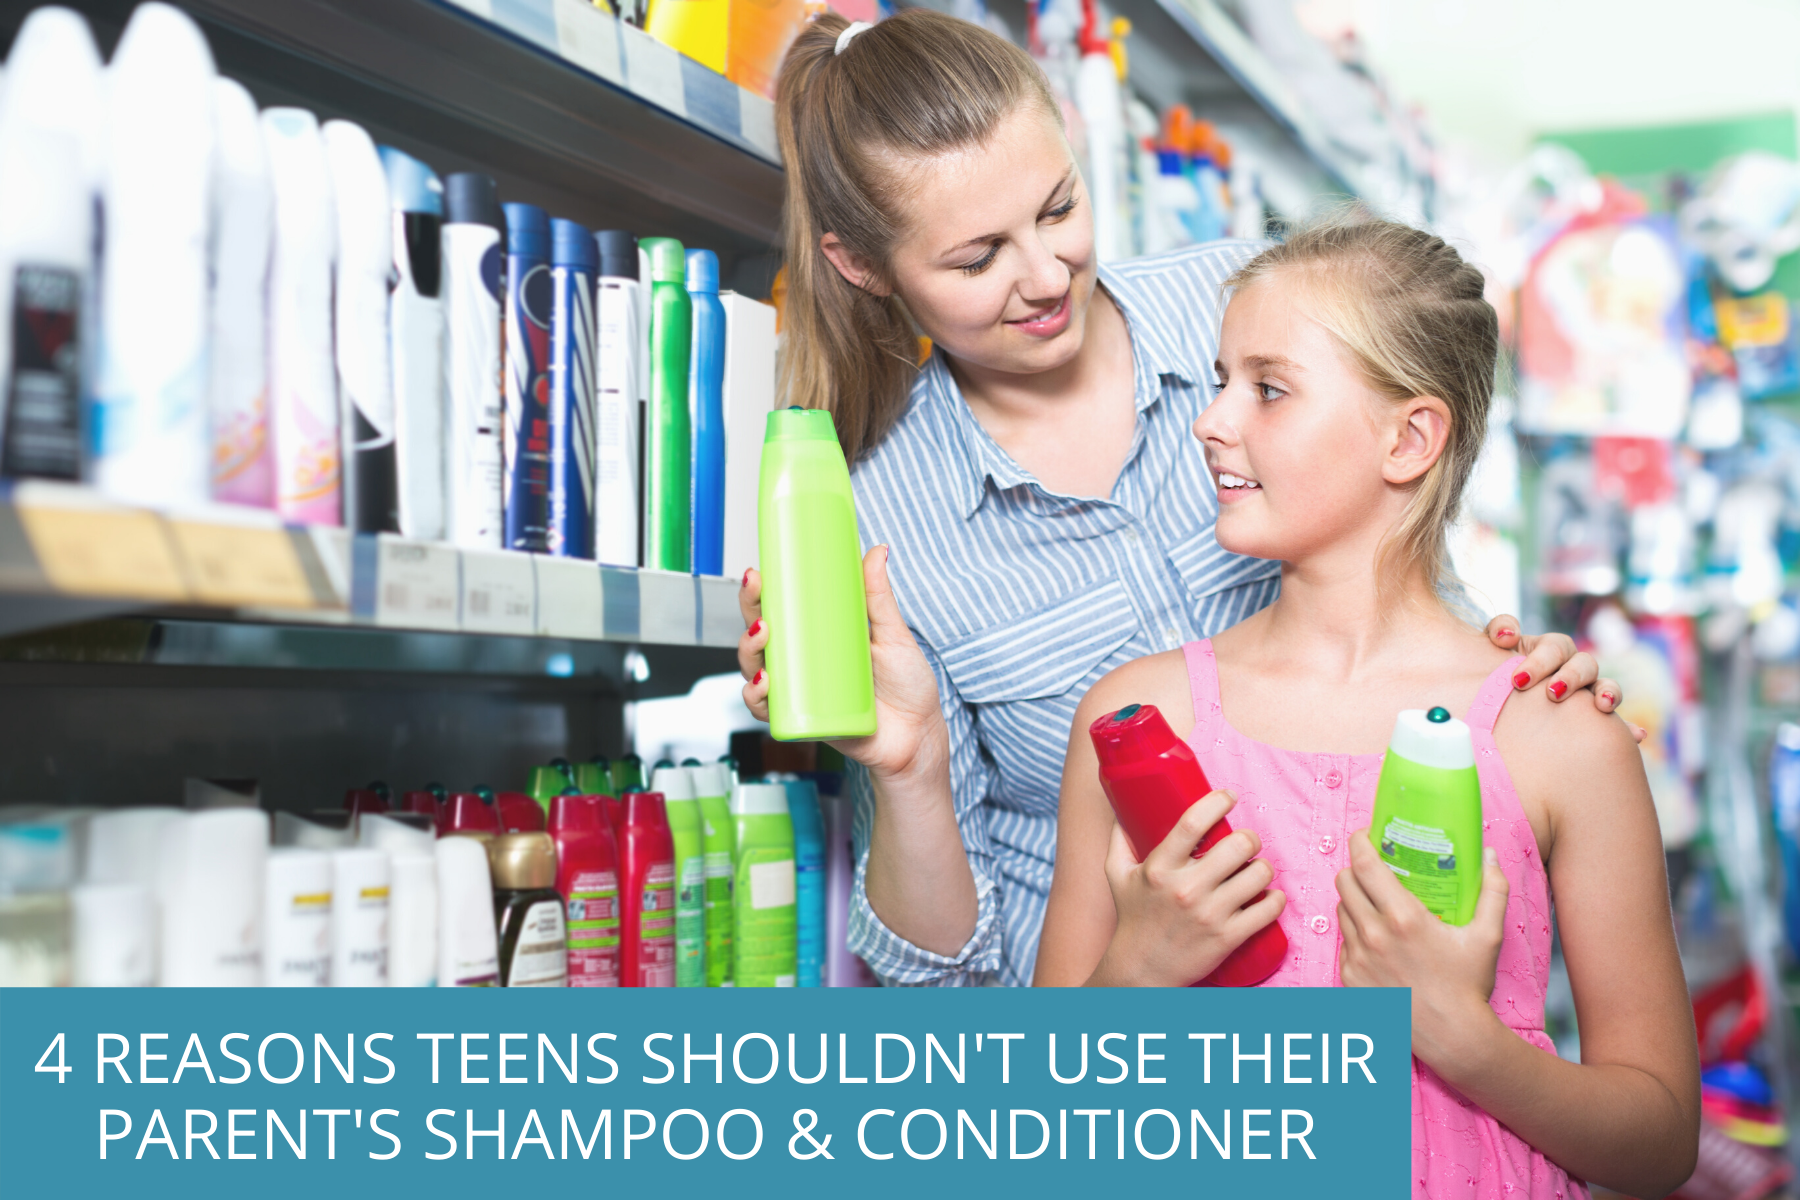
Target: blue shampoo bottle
(574, 263)
(809, 880)
(706, 412)
(527, 340)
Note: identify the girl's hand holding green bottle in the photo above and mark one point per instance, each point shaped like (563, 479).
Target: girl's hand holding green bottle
(910, 742)
(1390, 939)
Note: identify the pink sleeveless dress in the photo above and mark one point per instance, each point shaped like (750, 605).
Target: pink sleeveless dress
(1305, 807)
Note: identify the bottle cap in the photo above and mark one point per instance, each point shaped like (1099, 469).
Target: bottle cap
(421, 802)
(760, 800)
(591, 778)
(703, 271)
(412, 186)
(522, 861)
(1432, 739)
(642, 808)
(547, 781)
(519, 813)
(471, 198)
(668, 260)
(675, 783)
(465, 813)
(364, 800)
(712, 779)
(527, 231)
(618, 254)
(1135, 732)
(572, 246)
(796, 424)
(577, 814)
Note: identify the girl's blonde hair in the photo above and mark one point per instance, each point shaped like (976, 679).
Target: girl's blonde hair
(916, 85)
(1413, 316)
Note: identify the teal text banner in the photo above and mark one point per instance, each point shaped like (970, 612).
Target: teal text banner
(869, 1093)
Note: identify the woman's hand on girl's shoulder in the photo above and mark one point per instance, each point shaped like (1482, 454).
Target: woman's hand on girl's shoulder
(1551, 659)
(910, 739)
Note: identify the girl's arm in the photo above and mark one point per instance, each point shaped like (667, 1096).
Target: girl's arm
(1626, 1116)
(918, 879)
(1172, 919)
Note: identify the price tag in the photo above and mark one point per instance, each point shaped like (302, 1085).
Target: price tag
(416, 584)
(242, 565)
(94, 550)
(499, 592)
(589, 38)
(721, 621)
(653, 70)
(569, 598)
(666, 608)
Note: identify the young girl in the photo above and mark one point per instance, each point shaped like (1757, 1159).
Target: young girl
(1355, 367)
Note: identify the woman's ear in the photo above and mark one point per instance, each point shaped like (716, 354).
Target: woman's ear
(857, 269)
(1421, 433)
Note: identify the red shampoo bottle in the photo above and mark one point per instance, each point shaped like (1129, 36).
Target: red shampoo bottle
(1151, 777)
(587, 878)
(646, 892)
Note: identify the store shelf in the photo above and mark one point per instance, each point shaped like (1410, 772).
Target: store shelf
(563, 105)
(67, 554)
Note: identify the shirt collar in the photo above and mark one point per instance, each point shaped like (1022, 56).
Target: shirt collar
(1153, 360)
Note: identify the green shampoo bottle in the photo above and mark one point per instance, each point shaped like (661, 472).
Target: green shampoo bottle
(668, 432)
(683, 807)
(820, 681)
(764, 942)
(1427, 820)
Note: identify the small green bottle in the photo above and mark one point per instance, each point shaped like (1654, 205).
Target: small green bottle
(1427, 820)
(713, 782)
(668, 431)
(627, 772)
(547, 782)
(683, 806)
(820, 681)
(764, 944)
(592, 777)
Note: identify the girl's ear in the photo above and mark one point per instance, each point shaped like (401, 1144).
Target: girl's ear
(1421, 432)
(857, 269)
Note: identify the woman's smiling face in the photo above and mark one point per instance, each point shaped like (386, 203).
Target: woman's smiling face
(996, 262)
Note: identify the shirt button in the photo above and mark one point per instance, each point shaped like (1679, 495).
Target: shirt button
(1332, 779)
(1130, 534)
(1321, 924)
(1327, 844)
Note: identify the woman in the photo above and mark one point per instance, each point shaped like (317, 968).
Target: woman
(1049, 517)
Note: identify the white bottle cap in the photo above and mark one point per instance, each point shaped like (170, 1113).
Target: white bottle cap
(711, 779)
(1442, 742)
(759, 800)
(675, 783)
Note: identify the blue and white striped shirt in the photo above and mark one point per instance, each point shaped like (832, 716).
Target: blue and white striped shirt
(1021, 598)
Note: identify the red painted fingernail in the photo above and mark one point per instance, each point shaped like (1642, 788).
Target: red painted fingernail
(759, 678)
(1558, 689)
(756, 628)
(1607, 696)
(1522, 679)
(1506, 633)
(746, 582)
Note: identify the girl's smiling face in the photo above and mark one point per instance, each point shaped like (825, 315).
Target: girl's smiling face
(1306, 454)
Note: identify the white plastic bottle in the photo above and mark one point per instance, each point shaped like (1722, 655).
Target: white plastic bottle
(365, 259)
(210, 892)
(473, 269)
(303, 404)
(619, 362)
(468, 945)
(151, 437)
(360, 882)
(243, 220)
(416, 325)
(297, 918)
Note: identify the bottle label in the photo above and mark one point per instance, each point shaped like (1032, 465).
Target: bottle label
(656, 929)
(594, 929)
(690, 924)
(541, 957)
(42, 435)
(1424, 859)
(299, 941)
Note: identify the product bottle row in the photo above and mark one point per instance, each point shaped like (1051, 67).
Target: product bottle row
(587, 879)
(207, 303)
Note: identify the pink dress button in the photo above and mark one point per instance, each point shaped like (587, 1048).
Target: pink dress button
(1327, 844)
(1321, 924)
(1332, 779)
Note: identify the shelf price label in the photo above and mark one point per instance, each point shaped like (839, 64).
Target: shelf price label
(240, 565)
(570, 600)
(499, 593)
(417, 584)
(94, 550)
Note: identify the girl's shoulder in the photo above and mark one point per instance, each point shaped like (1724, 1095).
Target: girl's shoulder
(1160, 679)
(1568, 753)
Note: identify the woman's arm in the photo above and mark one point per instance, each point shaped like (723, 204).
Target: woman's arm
(1112, 921)
(918, 879)
(1626, 1116)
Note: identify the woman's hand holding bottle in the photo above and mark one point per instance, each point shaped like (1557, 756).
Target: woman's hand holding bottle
(910, 742)
(1392, 940)
(1179, 917)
